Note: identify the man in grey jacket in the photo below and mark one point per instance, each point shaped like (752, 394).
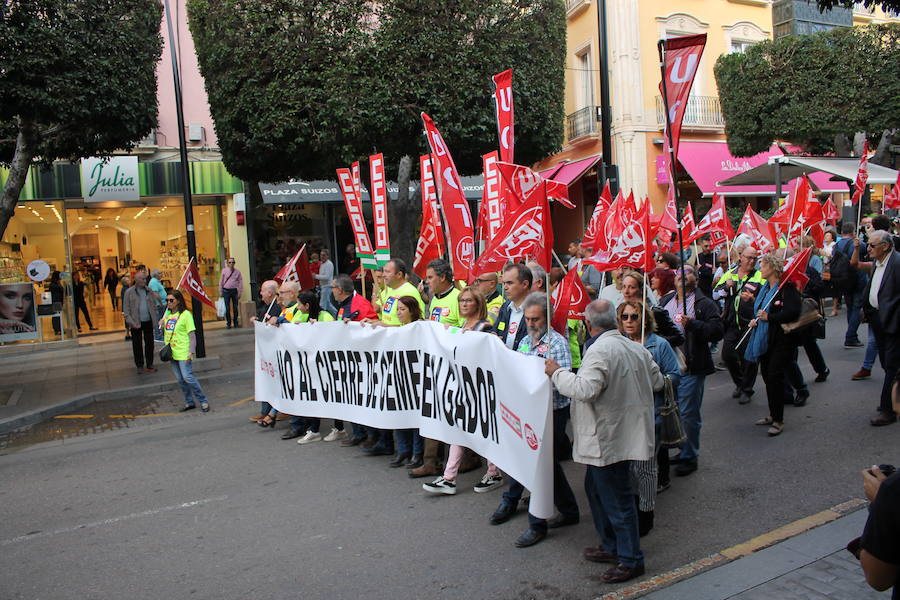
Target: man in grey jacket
(612, 422)
(139, 308)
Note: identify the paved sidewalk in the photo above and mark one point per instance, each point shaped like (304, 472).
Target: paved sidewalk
(36, 385)
(811, 566)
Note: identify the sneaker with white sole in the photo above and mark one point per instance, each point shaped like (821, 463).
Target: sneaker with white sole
(488, 483)
(310, 437)
(440, 486)
(335, 435)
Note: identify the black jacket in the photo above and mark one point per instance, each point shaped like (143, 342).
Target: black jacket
(501, 326)
(703, 330)
(665, 328)
(785, 308)
(888, 296)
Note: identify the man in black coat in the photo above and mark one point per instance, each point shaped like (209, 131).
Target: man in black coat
(881, 304)
(698, 316)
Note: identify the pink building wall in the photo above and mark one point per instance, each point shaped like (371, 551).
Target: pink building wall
(195, 103)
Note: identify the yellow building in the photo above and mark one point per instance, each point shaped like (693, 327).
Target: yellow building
(633, 29)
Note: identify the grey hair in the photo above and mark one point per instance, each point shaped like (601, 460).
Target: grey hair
(270, 284)
(344, 282)
(601, 315)
(537, 272)
(774, 261)
(879, 236)
(538, 299)
(155, 273)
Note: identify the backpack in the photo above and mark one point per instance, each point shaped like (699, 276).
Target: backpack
(842, 274)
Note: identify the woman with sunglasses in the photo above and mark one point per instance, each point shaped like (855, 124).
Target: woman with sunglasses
(633, 291)
(652, 475)
(178, 327)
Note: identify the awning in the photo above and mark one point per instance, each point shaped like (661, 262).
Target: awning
(711, 165)
(818, 167)
(296, 191)
(569, 172)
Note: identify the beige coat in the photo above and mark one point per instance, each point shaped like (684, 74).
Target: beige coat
(131, 307)
(612, 401)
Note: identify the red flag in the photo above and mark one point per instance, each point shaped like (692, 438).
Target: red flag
(430, 245)
(525, 233)
(681, 56)
(192, 283)
(631, 240)
(598, 219)
(379, 209)
(297, 269)
(790, 218)
(522, 182)
(668, 220)
(831, 212)
(353, 203)
(891, 197)
(490, 216)
(715, 221)
(429, 195)
(862, 174)
(814, 221)
(569, 301)
(688, 229)
(505, 122)
(453, 203)
(795, 270)
(762, 234)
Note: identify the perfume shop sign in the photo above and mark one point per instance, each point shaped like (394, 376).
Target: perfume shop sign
(114, 179)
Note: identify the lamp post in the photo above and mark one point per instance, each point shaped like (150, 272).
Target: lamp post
(610, 171)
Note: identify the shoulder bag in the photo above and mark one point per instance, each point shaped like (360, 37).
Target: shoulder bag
(671, 430)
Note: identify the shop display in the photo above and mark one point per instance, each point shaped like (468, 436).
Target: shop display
(12, 267)
(173, 258)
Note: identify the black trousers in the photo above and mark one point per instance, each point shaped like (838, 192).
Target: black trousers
(889, 355)
(144, 334)
(82, 307)
(230, 296)
(774, 365)
(743, 372)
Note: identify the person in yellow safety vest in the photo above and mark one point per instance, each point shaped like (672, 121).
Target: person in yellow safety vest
(396, 286)
(444, 305)
(309, 310)
(738, 288)
(487, 285)
(287, 298)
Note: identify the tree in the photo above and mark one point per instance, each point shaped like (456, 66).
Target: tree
(77, 78)
(361, 76)
(888, 5)
(815, 91)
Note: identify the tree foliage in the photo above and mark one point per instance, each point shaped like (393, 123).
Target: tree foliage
(77, 78)
(811, 90)
(888, 5)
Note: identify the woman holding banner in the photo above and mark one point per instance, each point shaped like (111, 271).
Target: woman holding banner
(769, 345)
(473, 309)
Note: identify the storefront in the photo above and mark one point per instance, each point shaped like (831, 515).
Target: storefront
(128, 214)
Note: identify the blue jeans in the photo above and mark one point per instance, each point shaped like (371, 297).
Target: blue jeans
(563, 496)
(190, 387)
(690, 399)
(609, 493)
(157, 332)
(854, 306)
(408, 441)
(266, 409)
(871, 351)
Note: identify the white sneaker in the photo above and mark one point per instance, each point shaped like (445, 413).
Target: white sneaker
(310, 437)
(335, 435)
(440, 486)
(488, 483)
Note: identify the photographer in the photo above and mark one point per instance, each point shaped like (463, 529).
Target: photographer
(879, 548)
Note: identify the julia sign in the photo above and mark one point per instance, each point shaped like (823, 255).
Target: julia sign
(114, 179)
(460, 388)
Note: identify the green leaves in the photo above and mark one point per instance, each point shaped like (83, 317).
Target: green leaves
(809, 89)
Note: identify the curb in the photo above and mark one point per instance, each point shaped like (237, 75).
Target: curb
(735, 552)
(49, 412)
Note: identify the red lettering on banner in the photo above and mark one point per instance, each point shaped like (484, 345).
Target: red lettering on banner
(379, 209)
(353, 204)
(503, 98)
(510, 418)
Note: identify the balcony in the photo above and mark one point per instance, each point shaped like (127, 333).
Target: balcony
(703, 112)
(573, 7)
(582, 122)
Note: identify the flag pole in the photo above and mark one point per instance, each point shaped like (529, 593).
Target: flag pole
(643, 309)
(661, 48)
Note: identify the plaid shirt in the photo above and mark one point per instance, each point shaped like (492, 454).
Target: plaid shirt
(551, 345)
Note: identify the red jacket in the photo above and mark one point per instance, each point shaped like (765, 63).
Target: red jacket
(356, 304)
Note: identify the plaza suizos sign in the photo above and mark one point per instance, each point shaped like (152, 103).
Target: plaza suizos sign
(116, 179)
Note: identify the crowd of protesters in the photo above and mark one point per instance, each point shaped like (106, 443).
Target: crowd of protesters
(645, 339)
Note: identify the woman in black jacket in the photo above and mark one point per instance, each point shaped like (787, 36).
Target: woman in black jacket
(111, 282)
(776, 305)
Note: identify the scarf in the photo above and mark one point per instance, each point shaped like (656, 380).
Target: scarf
(758, 343)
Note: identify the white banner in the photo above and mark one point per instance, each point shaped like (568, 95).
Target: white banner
(460, 388)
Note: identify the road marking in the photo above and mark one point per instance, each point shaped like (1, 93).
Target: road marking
(74, 417)
(733, 553)
(239, 402)
(147, 513)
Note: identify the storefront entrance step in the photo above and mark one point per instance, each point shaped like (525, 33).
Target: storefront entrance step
(26, 418)
(207, 363)
(20, 349)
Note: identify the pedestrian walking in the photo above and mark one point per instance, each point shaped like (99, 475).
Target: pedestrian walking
(324, 278)
(180, 336)
(231, 284)
(139, 307)
(111, 282)
(78, 289)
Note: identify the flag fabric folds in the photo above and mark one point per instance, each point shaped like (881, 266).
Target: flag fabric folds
(297, 269)
(503, 98)
(526, 233)
(353, 203)
(569, 301)
(862, 175)
(379, 209)
(598, 220)
(761, 233)
(193, 284)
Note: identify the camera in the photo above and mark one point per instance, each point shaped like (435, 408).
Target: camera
(888, 470)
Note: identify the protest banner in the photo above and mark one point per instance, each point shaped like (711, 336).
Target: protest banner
(461, 388)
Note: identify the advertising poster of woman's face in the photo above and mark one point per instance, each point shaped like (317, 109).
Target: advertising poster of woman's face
(18, 318)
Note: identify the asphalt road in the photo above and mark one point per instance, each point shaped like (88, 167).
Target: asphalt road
(211, 506)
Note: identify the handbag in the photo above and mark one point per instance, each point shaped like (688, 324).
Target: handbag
(809, 314)
(165, 353)
(671, 430)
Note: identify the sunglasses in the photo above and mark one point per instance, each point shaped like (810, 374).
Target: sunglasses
(630, 317)
(170, 299)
